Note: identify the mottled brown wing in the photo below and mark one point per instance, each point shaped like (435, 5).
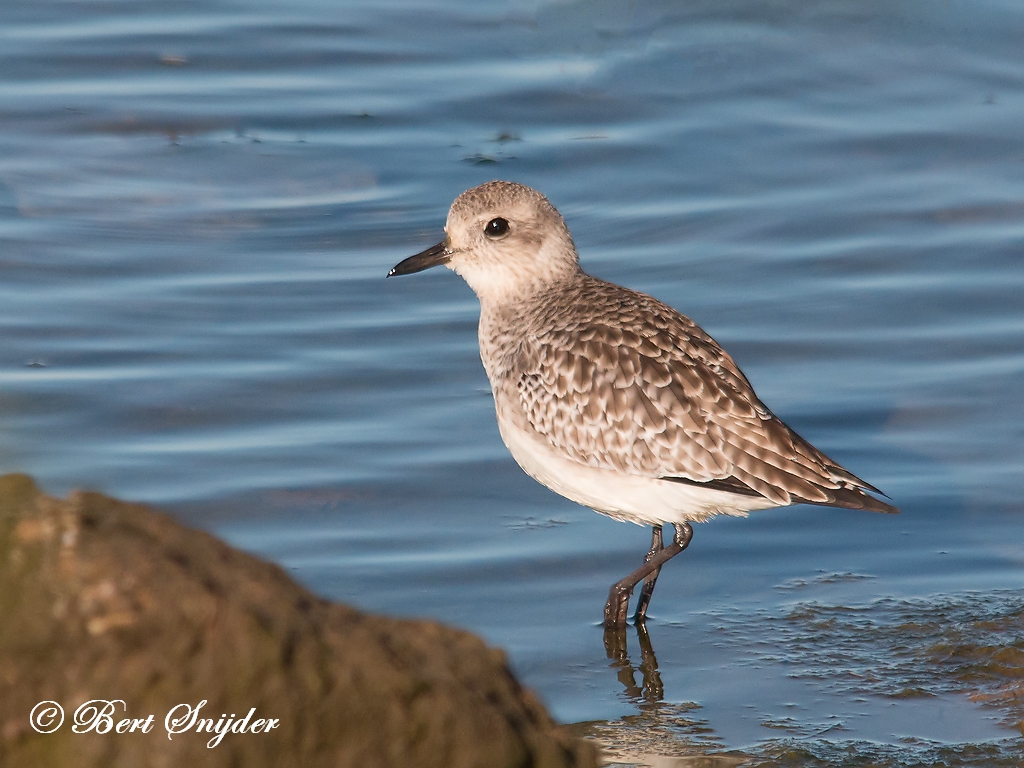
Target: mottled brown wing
(654, 395)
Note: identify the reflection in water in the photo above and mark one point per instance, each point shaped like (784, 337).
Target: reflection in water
(651, 691)
(661, 734)
(896, 657)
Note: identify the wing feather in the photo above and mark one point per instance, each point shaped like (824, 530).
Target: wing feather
(637, 387)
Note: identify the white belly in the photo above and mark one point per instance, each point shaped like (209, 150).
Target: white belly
(634, 498)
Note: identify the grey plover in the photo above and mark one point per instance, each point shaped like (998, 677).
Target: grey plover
(613, 399)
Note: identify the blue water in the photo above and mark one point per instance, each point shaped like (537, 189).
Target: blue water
(199, 203)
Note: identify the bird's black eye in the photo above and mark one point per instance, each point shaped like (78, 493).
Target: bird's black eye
(496, 227)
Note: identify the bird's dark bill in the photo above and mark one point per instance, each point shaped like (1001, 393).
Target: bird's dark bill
(432, 257)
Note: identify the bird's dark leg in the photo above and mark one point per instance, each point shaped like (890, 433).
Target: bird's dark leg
(618, 598)
(648, 589)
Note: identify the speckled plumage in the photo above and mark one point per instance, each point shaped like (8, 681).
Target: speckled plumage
(613, 398)
(617, 380)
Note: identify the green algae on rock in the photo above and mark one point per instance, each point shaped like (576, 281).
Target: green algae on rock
(102, 599)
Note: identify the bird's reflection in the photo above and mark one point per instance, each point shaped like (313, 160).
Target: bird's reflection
(660, 733)
(650, 691)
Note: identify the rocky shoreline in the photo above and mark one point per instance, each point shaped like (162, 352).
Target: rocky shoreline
(156, 640)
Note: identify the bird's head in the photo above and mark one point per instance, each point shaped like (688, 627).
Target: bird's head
(504, 239)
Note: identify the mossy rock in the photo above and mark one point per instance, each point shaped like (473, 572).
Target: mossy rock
(102, 599)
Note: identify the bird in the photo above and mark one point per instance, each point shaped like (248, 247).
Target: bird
(614, 399)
